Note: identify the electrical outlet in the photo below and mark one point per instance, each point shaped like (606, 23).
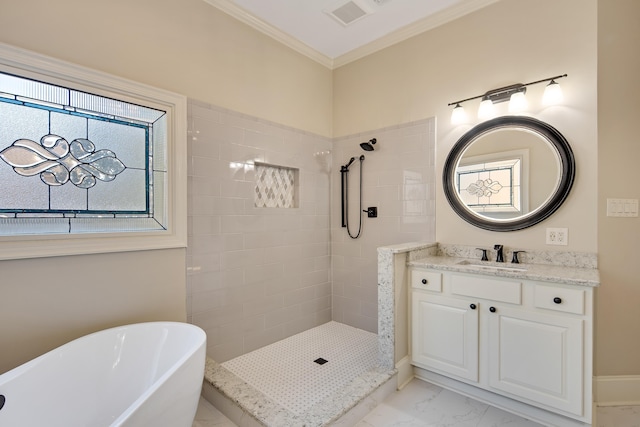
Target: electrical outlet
(558, 236)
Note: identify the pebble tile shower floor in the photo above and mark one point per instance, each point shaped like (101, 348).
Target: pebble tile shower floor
(287, 373)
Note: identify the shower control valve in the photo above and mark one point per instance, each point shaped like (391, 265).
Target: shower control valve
(372, 212)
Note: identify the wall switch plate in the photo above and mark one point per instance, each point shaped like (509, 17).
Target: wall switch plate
(622, 207)
(558, 236)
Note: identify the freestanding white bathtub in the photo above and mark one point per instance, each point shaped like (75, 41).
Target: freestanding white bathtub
(146, 374)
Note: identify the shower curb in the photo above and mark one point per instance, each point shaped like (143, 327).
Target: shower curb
(248, 407)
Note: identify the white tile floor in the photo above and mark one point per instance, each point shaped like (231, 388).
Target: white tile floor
(422, 404)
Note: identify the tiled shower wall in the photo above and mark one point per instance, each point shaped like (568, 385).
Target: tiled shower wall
(255, 275)
(398, 179)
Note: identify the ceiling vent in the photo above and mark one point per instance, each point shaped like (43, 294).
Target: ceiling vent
(349, 12)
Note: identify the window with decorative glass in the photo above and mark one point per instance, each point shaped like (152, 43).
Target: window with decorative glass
(79, 159)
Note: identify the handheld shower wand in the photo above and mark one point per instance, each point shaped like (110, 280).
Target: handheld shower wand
(345, 168)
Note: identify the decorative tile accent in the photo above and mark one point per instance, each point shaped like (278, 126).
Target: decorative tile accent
(275, 186)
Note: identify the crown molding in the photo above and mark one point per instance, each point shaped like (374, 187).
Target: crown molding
(404, 33)
(232, 9)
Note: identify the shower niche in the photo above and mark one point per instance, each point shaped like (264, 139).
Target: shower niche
(276, 186)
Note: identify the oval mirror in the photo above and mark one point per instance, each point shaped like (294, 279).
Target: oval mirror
(508, 173)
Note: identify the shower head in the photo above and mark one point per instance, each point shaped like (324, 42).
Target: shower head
(368, 146)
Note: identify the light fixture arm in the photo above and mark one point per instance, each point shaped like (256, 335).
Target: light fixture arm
(504, 93)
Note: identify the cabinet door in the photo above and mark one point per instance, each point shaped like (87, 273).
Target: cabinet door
(445, 335)
(538, 357)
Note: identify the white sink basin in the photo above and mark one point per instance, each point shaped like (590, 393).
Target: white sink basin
(492, 267)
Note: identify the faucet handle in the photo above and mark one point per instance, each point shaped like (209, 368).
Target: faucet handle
(515, 259)
(484, 254)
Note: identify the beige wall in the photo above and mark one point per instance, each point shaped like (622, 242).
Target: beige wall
(618, 321)
(185, 46)
(520, 41)
(48, 301)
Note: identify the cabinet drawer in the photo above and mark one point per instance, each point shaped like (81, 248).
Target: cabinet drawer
(559, 299)
(487, 288)
(426, 280)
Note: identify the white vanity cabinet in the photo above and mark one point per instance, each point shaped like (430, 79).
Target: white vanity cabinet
(447, 336)
(537, 356)
(526, 340)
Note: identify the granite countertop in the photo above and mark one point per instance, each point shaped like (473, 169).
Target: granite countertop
(580, 276)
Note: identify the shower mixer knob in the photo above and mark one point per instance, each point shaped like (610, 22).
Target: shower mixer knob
(372, 212)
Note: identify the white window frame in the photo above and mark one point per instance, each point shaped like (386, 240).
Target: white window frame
(39, 67)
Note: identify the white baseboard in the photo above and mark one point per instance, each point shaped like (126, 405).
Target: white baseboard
(405, 372)
(617, 390)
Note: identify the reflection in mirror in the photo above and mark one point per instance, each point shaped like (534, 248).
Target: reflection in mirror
(508, 173)
(492, 184)
(495, 171)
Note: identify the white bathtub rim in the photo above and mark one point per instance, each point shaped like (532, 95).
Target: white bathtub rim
(199, 345)
(18, 370)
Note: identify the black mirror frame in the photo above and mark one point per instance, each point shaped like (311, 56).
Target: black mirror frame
(567, 164)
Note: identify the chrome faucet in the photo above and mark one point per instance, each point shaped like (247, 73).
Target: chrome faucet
(499, 255)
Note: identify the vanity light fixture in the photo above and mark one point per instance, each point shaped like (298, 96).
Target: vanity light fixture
(552, 94)
(458, 115)
(486, 110)
(515, 94)
(518, 102)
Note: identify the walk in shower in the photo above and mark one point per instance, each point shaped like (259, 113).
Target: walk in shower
(258, 275)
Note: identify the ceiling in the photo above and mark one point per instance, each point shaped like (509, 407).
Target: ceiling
(313, 27)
